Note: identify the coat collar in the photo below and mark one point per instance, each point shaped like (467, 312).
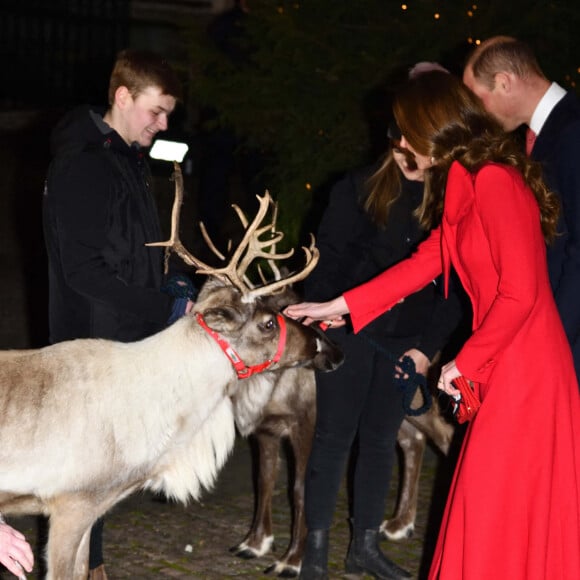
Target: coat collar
(459, 194)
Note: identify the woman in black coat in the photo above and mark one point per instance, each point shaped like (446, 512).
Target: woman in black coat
(368, 226)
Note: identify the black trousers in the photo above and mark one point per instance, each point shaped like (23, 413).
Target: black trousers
(358, 398)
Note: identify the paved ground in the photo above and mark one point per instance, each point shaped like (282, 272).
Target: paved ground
(146, 539)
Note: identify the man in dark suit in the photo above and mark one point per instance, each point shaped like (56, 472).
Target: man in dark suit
(504, 73)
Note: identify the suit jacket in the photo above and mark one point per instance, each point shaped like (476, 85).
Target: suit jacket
(557, 147)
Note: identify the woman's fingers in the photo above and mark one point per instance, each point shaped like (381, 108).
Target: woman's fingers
(328, 311)
(449, 372)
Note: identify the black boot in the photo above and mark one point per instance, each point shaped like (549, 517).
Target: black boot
(364, 555)
(315, 559)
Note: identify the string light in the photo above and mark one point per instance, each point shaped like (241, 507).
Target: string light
(308, 186)
(403, 7)
(436, 16)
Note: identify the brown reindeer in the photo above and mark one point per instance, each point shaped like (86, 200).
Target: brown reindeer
(85, 423)
(290, 414)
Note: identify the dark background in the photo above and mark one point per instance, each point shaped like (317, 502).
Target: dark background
(311, 95)
(55, 55)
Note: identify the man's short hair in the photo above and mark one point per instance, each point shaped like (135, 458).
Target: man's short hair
(140, 69)
(503, 54)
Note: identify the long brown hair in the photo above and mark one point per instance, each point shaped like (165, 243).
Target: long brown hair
(441, 118)
(384, 187)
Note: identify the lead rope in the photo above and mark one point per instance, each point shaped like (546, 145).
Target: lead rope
(407, 385)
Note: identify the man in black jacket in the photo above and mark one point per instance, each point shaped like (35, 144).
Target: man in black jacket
(99, 213)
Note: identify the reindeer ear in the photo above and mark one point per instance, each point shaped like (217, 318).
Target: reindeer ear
(213, 282)
(224, 319)
(280, 300)
(209, 286)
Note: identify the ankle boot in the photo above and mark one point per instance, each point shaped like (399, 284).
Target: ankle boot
(364, 555)
(315, 560)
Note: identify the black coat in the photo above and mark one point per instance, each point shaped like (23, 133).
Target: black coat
(98, 214)
(353, 250)
(557, 147)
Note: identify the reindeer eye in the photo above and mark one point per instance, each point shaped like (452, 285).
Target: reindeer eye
(269, 324)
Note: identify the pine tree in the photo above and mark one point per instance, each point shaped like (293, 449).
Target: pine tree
(316, 75)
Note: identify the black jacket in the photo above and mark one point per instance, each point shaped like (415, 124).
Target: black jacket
(98, 214)
(353, 250)
(557, 147)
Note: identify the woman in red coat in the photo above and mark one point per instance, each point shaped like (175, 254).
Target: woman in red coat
(513, 509)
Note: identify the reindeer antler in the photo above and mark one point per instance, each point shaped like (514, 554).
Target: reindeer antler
(174, 244)
(249, 249)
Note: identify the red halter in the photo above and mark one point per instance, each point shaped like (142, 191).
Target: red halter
(243, 370)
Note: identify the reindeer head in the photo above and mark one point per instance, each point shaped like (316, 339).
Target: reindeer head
(246, 317)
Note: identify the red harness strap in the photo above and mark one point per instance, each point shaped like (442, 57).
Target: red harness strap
(243, 370)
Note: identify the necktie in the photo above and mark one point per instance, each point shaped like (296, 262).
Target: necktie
(530, 140)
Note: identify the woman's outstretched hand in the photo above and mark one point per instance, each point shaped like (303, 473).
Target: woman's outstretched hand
(330, 313)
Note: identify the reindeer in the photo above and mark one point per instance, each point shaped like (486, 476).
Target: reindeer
(290, 415)
(87, 422)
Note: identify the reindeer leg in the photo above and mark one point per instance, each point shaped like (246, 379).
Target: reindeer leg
(412, 438)
(68, 548)
(20, 504)
(412, 443)
(433, 424)
(82, 556)
(259, 539)
(288, 566)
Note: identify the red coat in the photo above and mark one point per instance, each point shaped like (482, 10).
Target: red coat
(513, 510)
